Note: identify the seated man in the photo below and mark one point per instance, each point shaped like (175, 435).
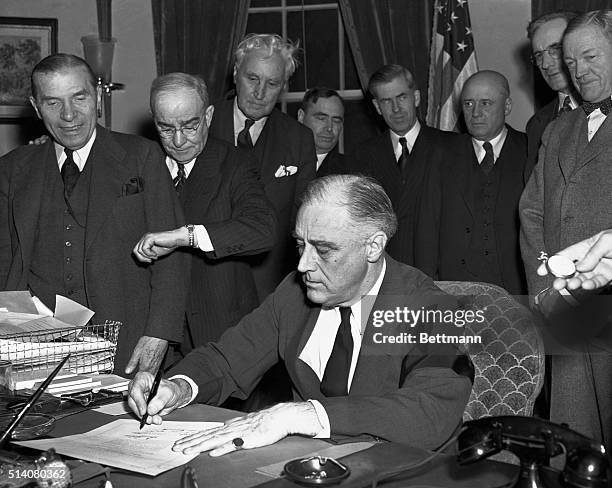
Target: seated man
(345, 380)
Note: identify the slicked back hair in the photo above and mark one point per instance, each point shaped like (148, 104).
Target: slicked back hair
(535, 24)
(364, 198)
(387, 74)
(599, 18)
(173, 81)
(56, 63)
(313, 95)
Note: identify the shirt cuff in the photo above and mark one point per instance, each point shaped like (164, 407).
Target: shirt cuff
(325, 432)
(202, 238)
(194, 388)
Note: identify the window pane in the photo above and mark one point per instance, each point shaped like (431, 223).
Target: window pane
(264, 3)
(308, 2)
(320, 45)
(351, 78)
(264, 23)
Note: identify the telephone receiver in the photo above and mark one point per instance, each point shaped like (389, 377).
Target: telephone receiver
(535, 441)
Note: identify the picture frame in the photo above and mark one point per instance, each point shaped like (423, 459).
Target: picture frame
(24, 42)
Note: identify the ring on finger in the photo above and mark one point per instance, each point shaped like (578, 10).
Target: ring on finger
(238, 442)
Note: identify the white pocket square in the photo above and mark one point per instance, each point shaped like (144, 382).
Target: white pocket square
(285, 171)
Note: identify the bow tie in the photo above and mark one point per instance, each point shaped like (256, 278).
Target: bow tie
(605, 106)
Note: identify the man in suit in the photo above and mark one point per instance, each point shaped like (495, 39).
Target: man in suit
(345, 381)
(220, 192)
(282, 148)
(322, 112)
(566, 200)
(545, 34)
(401, 157)
(470, 229)
(72, 208)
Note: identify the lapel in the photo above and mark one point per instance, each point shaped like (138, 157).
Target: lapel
(204, 178)
(384, 166)
(272, 145)
(29, 184)
(109, 171)
(308, 381)
(222, 126)
(461, 169)
(599, 142)
(511, 164)
(573, 140)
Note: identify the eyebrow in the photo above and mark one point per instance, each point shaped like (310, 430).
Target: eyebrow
(183, 123)
(77, 94)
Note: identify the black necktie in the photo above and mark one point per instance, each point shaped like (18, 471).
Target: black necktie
(70, 173)
(567, 105)
(180, 178)
(488, 161)
(605, 106)
(244, 137)
(404, 158)
(335, 378)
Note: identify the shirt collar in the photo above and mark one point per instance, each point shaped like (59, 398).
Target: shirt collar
(239, 119)
(173, 166)
(320, 158)
(561, 97)
(497, 142)
(410, 136)
(80, 155)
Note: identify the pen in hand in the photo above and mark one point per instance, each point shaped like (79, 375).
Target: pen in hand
(152, 393)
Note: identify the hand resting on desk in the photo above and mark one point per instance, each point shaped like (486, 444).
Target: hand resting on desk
(256, 429)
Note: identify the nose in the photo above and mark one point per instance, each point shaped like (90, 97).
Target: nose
(67, 111)
(394, 105)
(476, 110)
(580, 69)
(178, 138)
(259, 92)
(329, 127)
(306, 262)
(547, 61)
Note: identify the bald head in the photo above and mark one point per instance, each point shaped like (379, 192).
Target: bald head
(486, 103)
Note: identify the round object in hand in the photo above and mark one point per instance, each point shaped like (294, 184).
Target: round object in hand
(561, 266)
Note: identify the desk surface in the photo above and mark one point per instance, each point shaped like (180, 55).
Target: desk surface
(238, 469)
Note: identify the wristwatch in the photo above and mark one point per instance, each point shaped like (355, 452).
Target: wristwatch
(190, 234)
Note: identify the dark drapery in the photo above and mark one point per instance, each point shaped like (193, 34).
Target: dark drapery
(541, 7)
(199, 37)
(389, 31)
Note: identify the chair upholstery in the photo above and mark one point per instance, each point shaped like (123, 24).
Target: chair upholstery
(509, 363)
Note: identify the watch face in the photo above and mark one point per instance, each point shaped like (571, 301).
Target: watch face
(561, 266)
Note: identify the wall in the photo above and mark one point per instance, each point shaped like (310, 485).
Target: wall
(134, 61)
(500, 38)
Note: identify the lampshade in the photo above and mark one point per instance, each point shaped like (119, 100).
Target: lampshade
(99, 55)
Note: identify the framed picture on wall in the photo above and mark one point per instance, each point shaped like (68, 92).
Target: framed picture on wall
(23, 43)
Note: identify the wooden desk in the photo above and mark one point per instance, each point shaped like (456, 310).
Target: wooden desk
(238, 469)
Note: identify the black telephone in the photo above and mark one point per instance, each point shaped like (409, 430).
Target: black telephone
(535, 441)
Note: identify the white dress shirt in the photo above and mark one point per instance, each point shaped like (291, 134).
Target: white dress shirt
(561, 96)
(595, 119)
(80, 155)
(410, 136)
(320, 158)
(497, 142)
(240, 118)
(200, 234)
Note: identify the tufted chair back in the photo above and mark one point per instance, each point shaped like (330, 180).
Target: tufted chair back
(509, 363)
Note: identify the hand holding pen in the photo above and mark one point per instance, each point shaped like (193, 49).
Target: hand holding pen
(152, 393)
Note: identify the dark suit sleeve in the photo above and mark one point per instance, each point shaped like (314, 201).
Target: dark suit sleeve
(308, 169)
(252, 226)
(168, 275)
(5, 235)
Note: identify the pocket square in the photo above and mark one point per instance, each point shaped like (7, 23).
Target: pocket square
(285, 171)
(132, 187)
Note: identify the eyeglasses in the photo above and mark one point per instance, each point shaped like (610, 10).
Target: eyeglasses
(555, 52)
(187, 131)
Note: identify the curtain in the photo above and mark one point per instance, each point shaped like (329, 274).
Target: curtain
(199, 37)
(389, 31)
(541, 7)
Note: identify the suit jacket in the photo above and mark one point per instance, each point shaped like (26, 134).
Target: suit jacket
(224, 194)
(403, 393)
(376, 158)
(283, 141)
(534, 129)
(131, 194)
(566, 200)
(448, 218)
(334, 163)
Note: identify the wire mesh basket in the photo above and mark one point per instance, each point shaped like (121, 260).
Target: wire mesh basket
(92, 348)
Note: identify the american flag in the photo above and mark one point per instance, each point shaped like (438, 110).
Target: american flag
(453, 60)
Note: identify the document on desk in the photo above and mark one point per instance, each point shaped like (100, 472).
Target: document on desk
(121, 444)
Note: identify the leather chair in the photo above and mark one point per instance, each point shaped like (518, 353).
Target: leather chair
(509, 362)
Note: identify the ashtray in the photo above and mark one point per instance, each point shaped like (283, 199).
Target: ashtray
(316, 470)
(32, 425)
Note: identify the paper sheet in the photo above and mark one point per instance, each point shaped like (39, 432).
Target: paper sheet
(121, 444)
(117, 408)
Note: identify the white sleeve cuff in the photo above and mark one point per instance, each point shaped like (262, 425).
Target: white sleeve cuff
(194, 388)
(325, 432)
(202, 238)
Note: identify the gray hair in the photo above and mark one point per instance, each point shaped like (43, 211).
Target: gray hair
(58, 62)
(535, 24)
(388, 73)
(599, 18)
(365, 200)
(174, 81)
(272, 44)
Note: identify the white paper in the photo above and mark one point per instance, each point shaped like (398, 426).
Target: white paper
(121, 444)
(117, 408)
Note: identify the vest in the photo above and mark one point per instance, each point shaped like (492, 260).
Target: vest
(58, 257)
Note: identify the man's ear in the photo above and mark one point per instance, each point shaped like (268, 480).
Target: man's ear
(300, 116)
(99, 100)
(33, 103)
(508, 106)
(417, 98)
(376, 105)
(375, 246)
(208, 115)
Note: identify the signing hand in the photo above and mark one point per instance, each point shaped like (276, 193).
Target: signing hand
(157, 244)
(594, 263)
(148, 355)
(170, 395)
(255, 429)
